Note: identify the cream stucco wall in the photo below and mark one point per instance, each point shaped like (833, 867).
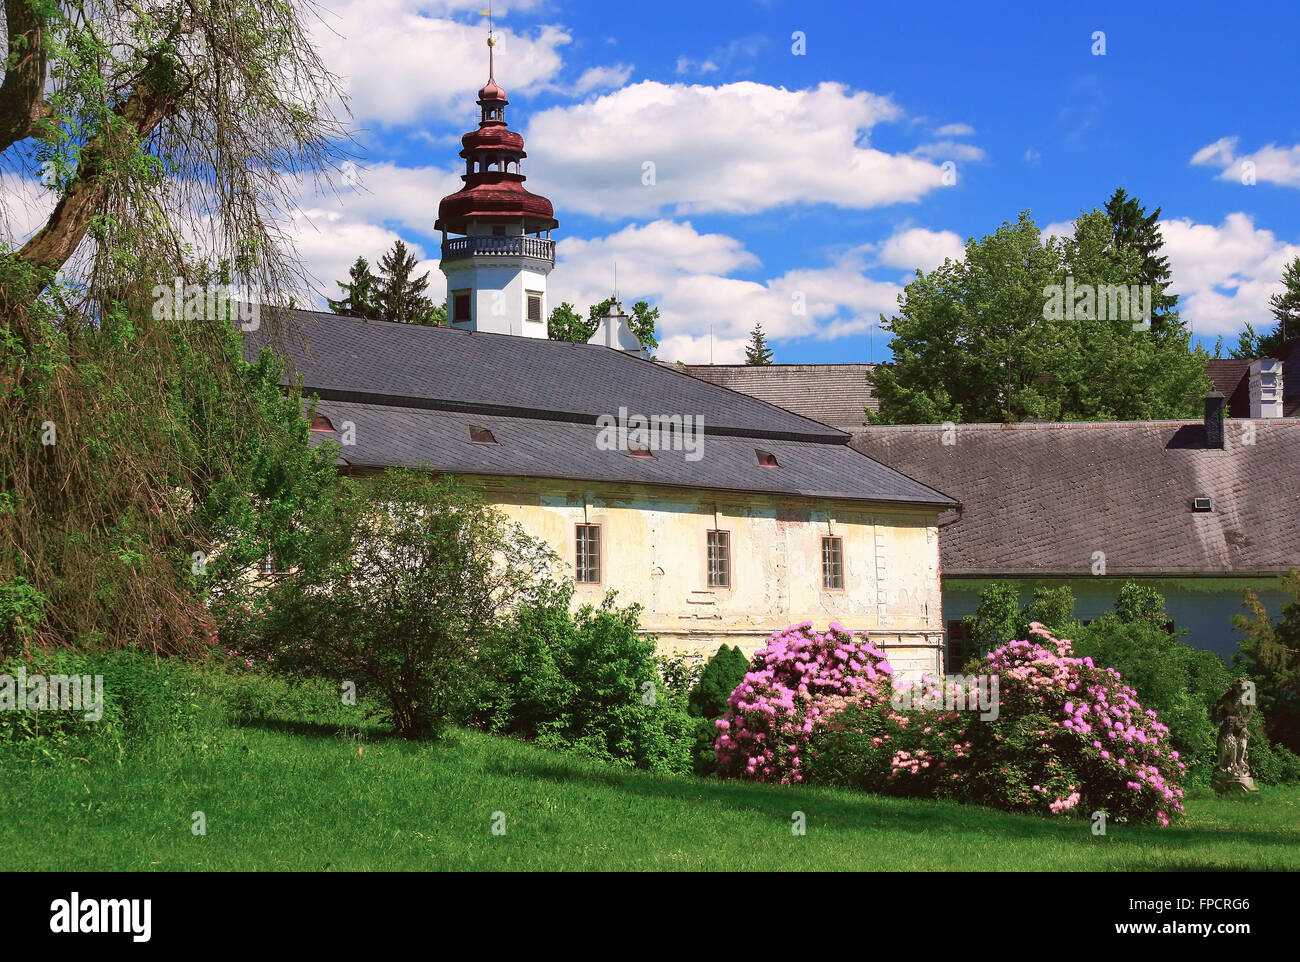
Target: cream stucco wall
(654, 539)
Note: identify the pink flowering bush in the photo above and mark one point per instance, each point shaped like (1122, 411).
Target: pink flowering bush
(798, 684)
(1069, 736)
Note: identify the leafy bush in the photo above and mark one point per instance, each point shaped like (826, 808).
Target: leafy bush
(708, 702)
(1269, 655)
(721, 675)
(404, 580)
(1179, 682)
(146, 701)
(1067, 734)
(796, 684)
(587, 681)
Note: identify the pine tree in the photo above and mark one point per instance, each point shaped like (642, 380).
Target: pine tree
(1286, 305)
(400, 297)
(358, 292)
(1286, 309)
(1133, 227)
(757, 352)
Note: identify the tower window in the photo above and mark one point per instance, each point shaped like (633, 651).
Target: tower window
(588, 554)
(832, 564)
(719, 559)
(460, 305)
(534, 305)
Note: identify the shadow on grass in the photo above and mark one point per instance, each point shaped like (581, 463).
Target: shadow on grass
(833, 812)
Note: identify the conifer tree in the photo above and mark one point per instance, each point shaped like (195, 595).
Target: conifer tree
(757, 352)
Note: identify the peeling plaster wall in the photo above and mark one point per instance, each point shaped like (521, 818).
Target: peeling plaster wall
(653, 546)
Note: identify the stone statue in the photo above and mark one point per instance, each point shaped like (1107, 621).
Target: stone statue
(1233, 711)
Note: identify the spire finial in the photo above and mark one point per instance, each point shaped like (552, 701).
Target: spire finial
(491, 41)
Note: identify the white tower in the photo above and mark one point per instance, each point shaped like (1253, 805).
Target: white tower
(497, 269)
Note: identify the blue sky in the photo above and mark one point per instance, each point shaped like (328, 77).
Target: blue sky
(818, 176)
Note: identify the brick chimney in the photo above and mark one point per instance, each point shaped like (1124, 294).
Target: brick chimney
(1214, 420)
(1265, 388)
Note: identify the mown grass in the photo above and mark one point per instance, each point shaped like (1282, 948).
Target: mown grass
(286, 795)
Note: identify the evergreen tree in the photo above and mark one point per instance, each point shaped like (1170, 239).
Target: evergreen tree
(1132, 227)
(400, 296)
(358, 298)
(1286, 306)
(757, 352)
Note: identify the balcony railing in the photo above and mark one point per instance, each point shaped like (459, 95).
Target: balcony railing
(492, 245)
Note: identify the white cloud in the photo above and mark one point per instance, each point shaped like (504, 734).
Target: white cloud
(1060, 228)
(602, 78)
(687, 275)
(402, 60)
(685, 65)
(1225, 274)
(736, 148)
(1272, 164)
(955, 130)
(919, 249)
(332, 229)
(24, 206)
(949, 150)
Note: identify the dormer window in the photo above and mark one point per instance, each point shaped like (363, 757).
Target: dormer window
(481, 435)
(766, 459)
(322, 423)
(638, 449)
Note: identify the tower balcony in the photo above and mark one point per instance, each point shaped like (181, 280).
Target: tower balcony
(492, 245)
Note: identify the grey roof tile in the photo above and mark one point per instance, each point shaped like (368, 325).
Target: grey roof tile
(1040, 498)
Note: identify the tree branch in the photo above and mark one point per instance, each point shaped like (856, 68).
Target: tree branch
(22, 94)
(56, 241)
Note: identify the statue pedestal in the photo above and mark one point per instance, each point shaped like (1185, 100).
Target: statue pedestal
(1226, 784)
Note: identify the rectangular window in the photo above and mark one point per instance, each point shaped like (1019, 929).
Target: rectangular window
(719, 559)
(460, 305)
(534, 305)
(588, 554)
(959, 645)
(832, 563)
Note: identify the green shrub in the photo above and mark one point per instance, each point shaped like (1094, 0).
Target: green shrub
(1269, 655)
(585, 681)
(148, 702)
(725, 670)
(1179, 682)
(406, 578)
(708, 702)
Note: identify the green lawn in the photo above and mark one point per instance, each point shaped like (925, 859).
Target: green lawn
(300, 797)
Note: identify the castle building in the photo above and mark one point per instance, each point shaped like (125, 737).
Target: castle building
(725, 517)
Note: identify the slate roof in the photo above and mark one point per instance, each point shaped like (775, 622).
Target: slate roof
(412, 393)
(1231, 378)
(834, 394)
(1039, 499)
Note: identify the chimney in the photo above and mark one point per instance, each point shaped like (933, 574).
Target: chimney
(1266, 388)
(615, 331)
(1214, 420)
